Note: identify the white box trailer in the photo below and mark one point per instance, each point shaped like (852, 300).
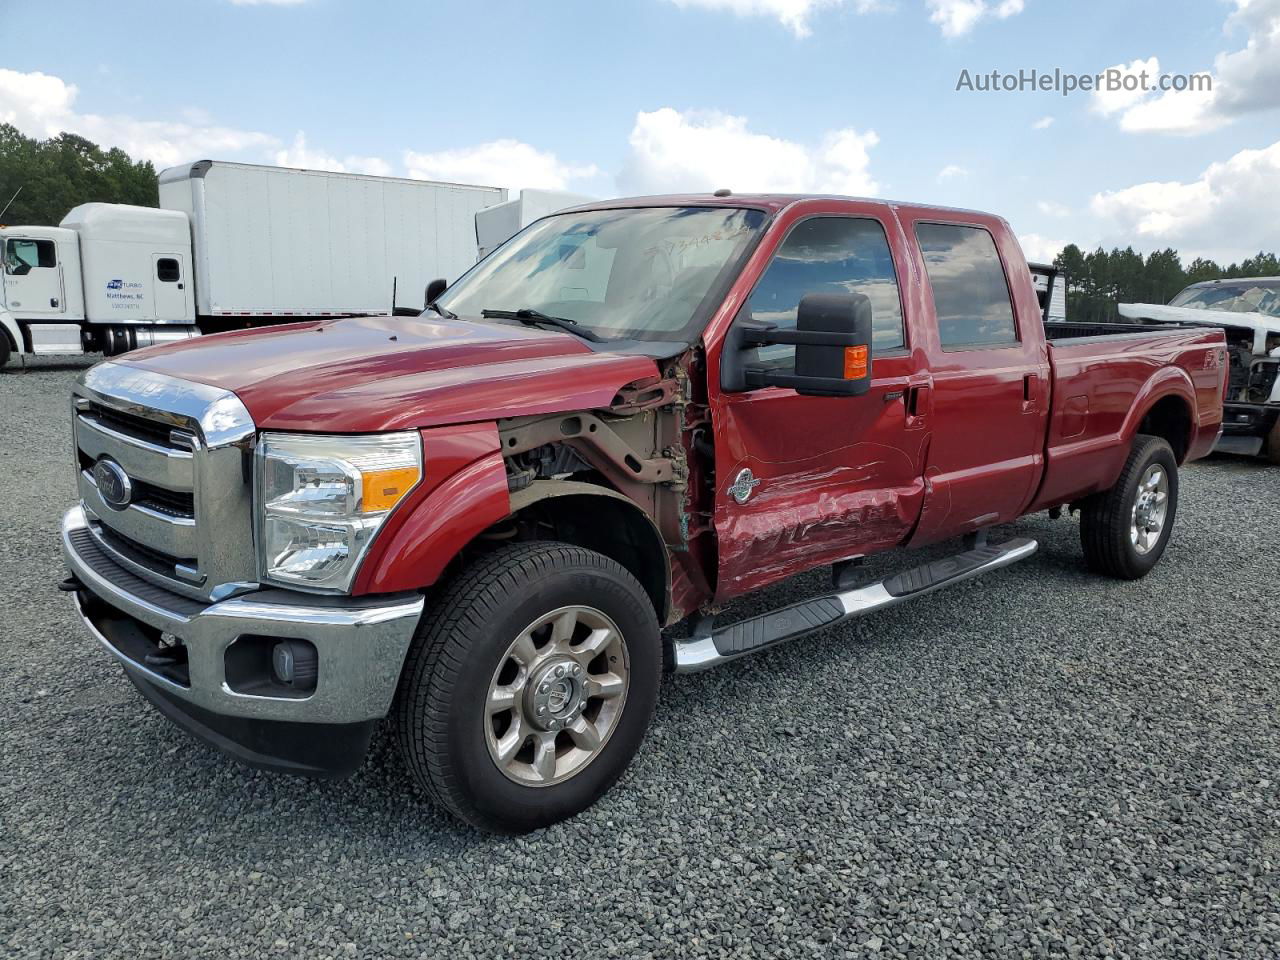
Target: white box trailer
(270, 241)
(497, 224)
(232, 245)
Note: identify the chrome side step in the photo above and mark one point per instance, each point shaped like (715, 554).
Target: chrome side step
(711, 646)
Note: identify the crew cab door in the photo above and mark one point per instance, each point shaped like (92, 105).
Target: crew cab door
(32, 277)
(804, 481)
(988, 393)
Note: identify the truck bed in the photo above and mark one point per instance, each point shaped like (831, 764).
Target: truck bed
(1103, 375)
(1057, 330)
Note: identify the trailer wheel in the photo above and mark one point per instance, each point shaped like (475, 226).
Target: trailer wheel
(1125, 530)
(529, 685)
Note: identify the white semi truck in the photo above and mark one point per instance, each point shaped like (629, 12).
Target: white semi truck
(232, 245)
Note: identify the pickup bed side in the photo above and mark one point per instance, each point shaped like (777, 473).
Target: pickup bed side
(1109, 388)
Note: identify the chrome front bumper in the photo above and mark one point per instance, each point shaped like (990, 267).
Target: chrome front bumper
(361, 643)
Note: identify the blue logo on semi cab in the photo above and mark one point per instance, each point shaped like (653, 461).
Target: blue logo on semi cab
(114, 284)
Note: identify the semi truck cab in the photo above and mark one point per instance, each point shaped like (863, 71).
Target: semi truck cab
(111, 278)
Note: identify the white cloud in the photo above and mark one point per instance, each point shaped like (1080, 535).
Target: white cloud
(40, 105)
(1044, 123)
(1244, 81)
(299, 154)
(1249, 79)
(1129, 79)
(499, 163)
(1051, 208)
(694, 151)
(958, 17)
(792, 14)
(1231, 211)
(1039, 249)
(952, 172)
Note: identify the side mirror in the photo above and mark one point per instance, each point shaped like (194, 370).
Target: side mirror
(434, 289)
(833, 349)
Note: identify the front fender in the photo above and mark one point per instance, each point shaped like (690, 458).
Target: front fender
(464, 492)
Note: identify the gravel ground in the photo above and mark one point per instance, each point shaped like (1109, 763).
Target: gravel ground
(1037, 764)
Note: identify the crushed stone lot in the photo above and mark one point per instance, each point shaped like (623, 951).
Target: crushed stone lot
(1040, 763)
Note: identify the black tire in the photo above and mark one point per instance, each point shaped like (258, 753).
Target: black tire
(1107, 519)
(1271, 447)
(6, 349)
(439, 712)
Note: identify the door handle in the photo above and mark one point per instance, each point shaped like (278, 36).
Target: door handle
(918, 401)
(53, 301)
(1030, 392)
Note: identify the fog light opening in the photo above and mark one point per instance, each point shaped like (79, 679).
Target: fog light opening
(295, 664)
(261, 666)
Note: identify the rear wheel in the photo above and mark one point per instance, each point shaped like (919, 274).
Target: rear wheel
(1125, 530)
(529, 686)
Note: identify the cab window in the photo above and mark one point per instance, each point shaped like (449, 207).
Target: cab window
(21, 256)
(970, 292)
(829, 255)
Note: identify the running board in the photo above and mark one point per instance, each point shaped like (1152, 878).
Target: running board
(711, 646)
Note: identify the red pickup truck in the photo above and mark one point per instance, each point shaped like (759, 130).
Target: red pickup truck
(477, 522)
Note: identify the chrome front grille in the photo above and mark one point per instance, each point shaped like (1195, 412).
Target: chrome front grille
(186, 450)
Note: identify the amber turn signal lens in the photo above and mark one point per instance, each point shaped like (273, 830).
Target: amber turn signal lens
(383, 489)
(855, 363)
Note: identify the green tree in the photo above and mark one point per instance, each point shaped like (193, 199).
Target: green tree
(1163, 277)
(59, 173)
(1202, 269)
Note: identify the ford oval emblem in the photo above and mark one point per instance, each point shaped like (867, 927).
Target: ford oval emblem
(114, 485)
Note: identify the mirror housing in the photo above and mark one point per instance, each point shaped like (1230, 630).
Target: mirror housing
(833, 349)
(434, 289)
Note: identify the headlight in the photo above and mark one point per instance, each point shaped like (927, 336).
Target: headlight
(322, 499)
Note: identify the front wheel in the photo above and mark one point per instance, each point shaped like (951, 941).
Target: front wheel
(1125, 530)
(529, 686)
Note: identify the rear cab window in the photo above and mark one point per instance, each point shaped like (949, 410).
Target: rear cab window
(971, 294)
(829, 254)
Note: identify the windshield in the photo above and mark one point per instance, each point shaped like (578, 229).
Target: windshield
(1242, 297)
(643, 273)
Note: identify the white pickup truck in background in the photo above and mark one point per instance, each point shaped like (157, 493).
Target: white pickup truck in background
(1249, 310)
(237, 245)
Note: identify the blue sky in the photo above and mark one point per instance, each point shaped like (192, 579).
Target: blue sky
(644, 95)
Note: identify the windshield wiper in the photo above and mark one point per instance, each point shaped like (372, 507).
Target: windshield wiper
(533, 318)
(447, 314)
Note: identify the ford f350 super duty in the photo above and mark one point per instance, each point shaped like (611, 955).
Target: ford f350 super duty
(477, 522)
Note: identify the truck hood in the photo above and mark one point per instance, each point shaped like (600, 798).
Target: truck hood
(365, 374)
(1198, 317)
